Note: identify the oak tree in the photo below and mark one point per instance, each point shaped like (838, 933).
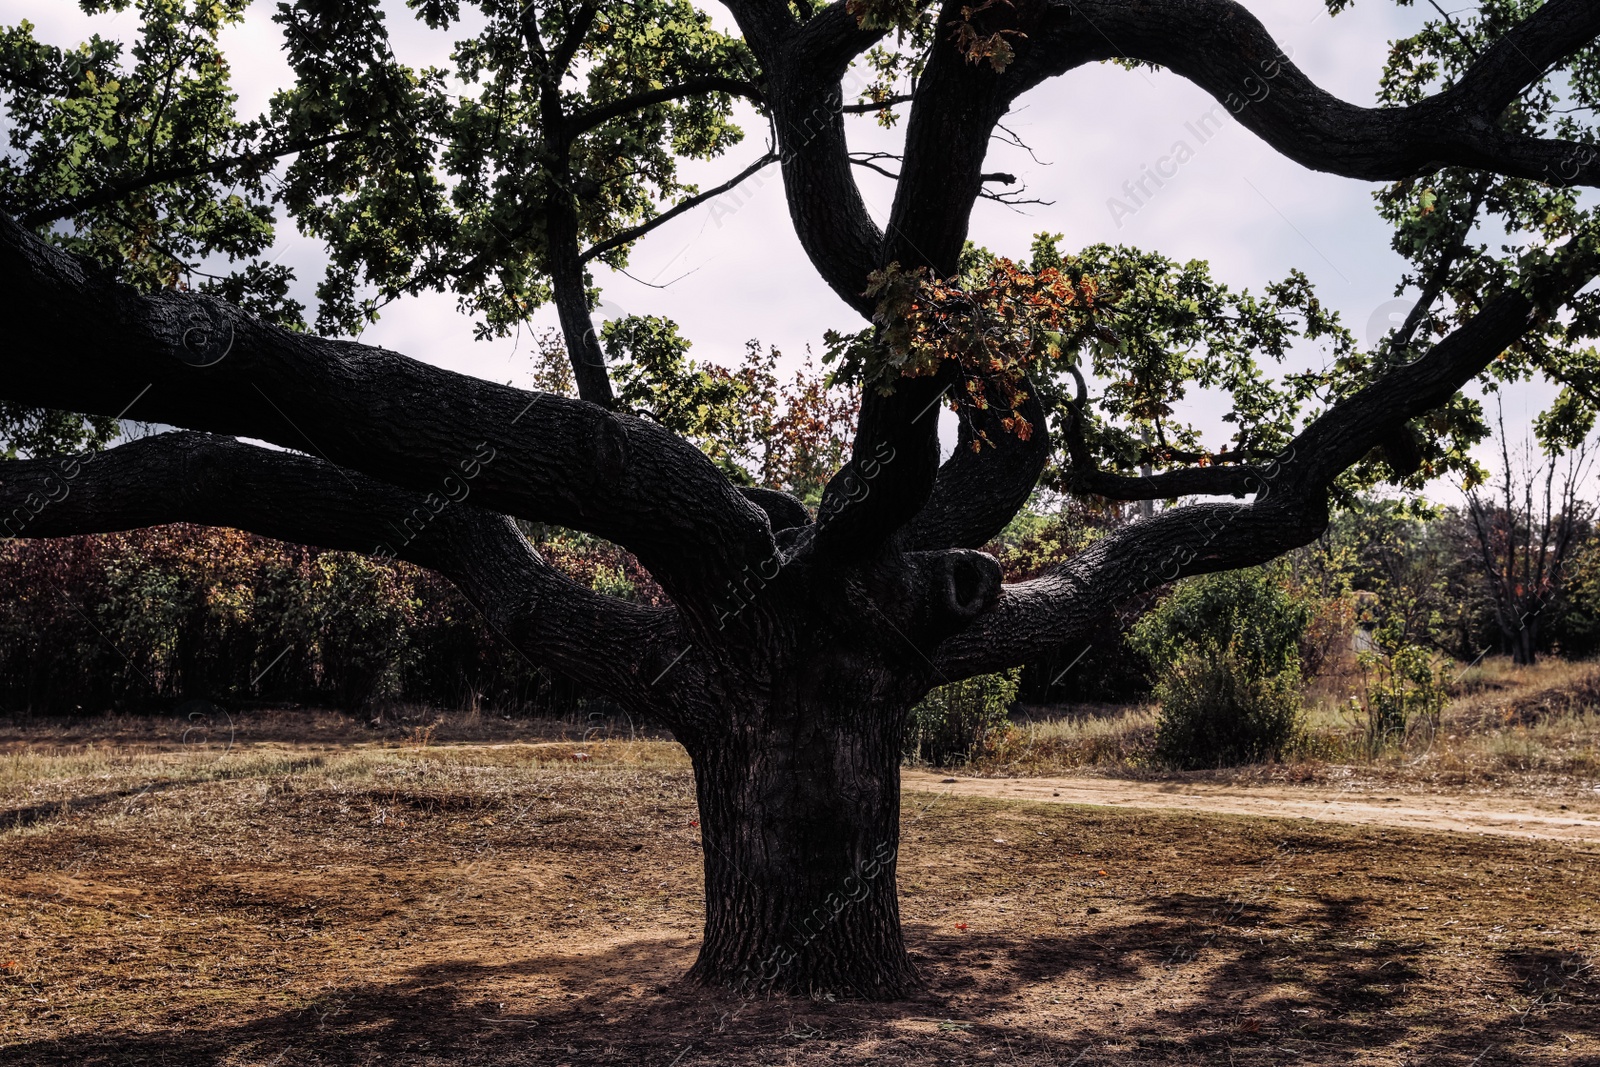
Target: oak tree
(795, 639)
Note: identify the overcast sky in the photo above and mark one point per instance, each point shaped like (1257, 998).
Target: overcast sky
(733, 270)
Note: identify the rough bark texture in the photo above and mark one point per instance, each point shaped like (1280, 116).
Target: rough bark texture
(799, 819)
(795, 643)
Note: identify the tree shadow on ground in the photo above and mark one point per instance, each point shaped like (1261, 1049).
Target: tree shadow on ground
(20, 818)
(1190, 980)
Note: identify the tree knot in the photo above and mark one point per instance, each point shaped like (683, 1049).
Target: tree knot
(967, 583)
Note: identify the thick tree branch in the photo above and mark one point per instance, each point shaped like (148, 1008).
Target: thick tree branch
(85, 343)
(1528, 50)
(977, 493)
(1040, 616)
(767, 26)
(956, 108)
(607, 644)
(1290, 506)
(559, 210)
(569, 283)
(1223, 48)
(893, 464)
(1366, 419)
(825, 204)
(803, 64)
(785, 512)
(831, 39)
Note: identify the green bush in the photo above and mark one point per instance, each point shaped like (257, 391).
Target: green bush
(1226, 654)
(1404, 689)
(152, 618)
(351, 622)
(953, 724)
(1217, 713)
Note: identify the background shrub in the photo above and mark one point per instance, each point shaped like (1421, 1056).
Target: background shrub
(1217, 713)
(954, 723)
(1226, 655)
(150, 618)
(1404, 690)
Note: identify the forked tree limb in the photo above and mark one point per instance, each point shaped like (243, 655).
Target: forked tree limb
(1225, 50)
(81, 341)
(1291, 494)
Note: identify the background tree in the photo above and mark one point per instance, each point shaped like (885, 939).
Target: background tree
(1525, 536)
(1413, 569)
(501, 193)
(794, 643)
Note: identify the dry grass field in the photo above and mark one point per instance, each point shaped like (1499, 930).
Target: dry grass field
(1526, 730)
(320, 893)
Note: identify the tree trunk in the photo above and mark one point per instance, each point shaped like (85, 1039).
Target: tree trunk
(1525, 644)
(799, 810)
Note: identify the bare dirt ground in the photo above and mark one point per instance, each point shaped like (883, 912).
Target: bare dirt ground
(1574, 817)
(529, 902)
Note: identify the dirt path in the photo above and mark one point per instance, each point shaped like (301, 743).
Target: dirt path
(1505, 816)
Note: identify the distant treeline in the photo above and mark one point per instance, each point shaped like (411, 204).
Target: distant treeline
(150, 618)
(1518, 576)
